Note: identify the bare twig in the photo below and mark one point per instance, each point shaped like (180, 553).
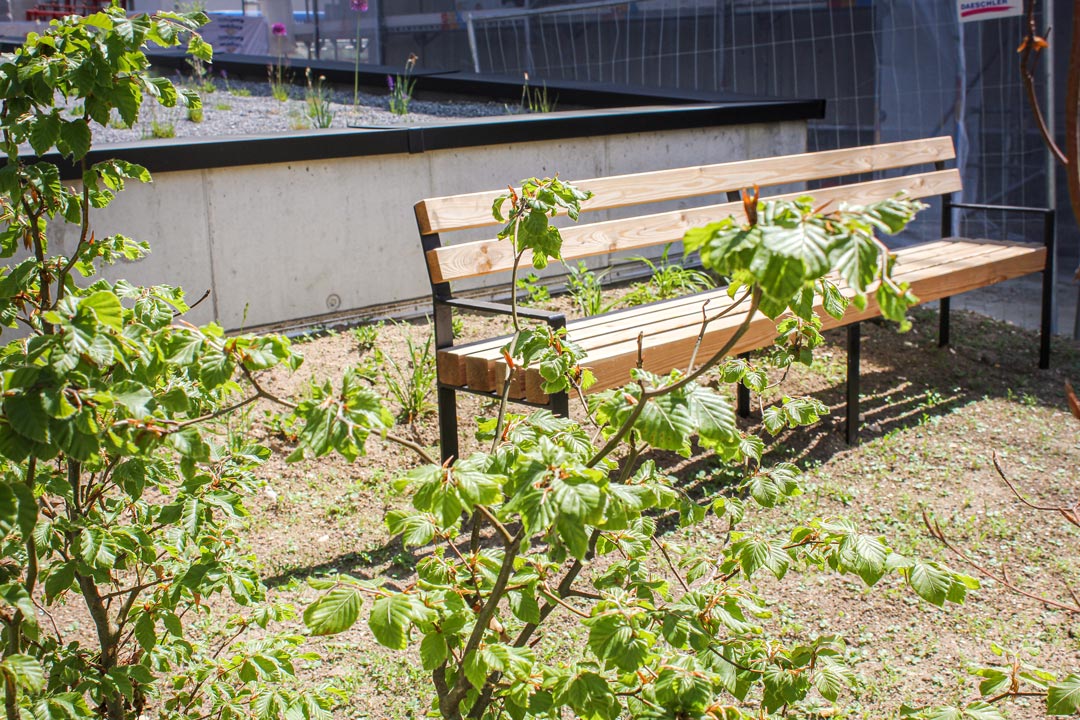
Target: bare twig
(1030, 47)
(1069, 513)
(549, 593)
(938, 534)
(670, 564)
(706, 320)
(415, 447)
(499, 527)
(195, 304)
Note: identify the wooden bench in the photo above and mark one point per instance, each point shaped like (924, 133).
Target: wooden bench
(936, 270)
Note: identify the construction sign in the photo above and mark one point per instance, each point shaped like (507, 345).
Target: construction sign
(972, 10)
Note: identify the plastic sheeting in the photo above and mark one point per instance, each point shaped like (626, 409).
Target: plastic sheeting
(890, 70)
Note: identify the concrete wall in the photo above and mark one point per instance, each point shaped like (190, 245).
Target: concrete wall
(281, 242)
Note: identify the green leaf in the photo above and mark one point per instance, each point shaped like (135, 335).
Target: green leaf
(389, 621)
(135, 398)
(591, 697)
(833, 302)
(75, 136)
(189, 442)
(524, 605)
(577, 498)
(869, 556)
(830, 678)
(215, 368)
(983, 711)
(433, 651)
(857, 261)
(44, 132)
(96, 548)
(416, 530)
(617, 643)
(806, 240)
(107, 309)
(1063, 698)
(26, 671)
(712, 417)
(476, 669)
(755, 554)
(145, 632)
(60, 578)
(666, 424)
(930, 582)
(9, 507)
(334, 612)
(27, 416)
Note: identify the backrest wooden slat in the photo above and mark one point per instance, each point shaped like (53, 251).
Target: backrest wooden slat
(484, 257)
(461, 212)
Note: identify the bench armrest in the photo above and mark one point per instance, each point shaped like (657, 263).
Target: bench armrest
(1048, 221)
(1002, 208)
(555, 320)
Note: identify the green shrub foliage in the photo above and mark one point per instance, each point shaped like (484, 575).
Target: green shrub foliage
(118, 496)
(562, 517)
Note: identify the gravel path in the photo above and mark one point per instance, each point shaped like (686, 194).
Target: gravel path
(247, 108)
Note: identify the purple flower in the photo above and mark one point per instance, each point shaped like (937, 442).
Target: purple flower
(358, 5)
(224, 75)
(390, 83)
(278, 30)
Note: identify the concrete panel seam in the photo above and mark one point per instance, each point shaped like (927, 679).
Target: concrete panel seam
(208, 201)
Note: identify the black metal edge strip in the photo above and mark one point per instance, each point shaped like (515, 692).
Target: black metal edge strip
(489, 86)
(175, 155)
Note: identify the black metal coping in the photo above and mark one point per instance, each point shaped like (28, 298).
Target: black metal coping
(451, 82)
(178, 154)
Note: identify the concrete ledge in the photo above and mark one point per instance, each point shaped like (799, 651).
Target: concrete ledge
(174, 155)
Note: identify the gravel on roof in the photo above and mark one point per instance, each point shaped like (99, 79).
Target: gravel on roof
(247, 108)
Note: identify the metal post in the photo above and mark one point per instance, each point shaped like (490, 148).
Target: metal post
(742, 393)
(943, 322)
(470, 30)
(559, 403)
(1047, 325)
(946, 231)
(854, 338)
(742, 396)
(443, 320)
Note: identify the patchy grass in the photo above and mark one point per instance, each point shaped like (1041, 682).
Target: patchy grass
(932, 420)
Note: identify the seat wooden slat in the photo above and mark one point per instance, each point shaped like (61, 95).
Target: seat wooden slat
(460, 212)
(485, 257)
(582, 327)
(663, 351)
(481, 367)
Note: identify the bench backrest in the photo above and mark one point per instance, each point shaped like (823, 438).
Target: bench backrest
(447, 263)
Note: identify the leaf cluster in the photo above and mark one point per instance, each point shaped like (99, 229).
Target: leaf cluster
(530, 209)
(793, 251)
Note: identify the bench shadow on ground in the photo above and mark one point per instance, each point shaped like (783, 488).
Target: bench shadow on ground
(906, 382)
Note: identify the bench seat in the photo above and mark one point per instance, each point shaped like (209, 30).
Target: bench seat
(935, 270)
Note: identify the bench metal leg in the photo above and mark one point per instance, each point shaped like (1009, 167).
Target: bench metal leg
(943, 322)
(742, 396)
(854, 337)
(1047, 320)
(560, 404)
(448, 424)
